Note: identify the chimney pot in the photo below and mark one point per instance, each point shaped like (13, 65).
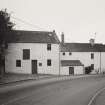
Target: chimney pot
(62, 37)
(92, 41)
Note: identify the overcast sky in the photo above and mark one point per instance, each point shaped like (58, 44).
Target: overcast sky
(78, 19)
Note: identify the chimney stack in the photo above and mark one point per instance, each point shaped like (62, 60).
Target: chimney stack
(62, 38)
(92, 41)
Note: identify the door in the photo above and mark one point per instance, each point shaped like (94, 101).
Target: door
(71, 70)
(34, 66)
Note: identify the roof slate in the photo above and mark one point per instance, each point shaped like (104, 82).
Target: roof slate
(20, 36)
(82, 47)
(71, 63)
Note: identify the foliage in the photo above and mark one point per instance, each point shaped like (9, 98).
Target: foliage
(5, 26)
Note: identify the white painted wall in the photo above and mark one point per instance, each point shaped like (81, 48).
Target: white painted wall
(77, 70)
(38, 52)
(102, 63)
(85, 58)
(64, 70)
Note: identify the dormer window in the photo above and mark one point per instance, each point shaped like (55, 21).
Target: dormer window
(49, 47)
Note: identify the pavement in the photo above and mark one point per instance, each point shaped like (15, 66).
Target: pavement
(9, 78)
(12, 78)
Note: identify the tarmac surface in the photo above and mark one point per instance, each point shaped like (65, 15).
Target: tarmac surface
(77, 90)
(100, 99)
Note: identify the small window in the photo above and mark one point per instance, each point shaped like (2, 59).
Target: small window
(70, 53)
(92, 55)
(92, 66)
(18, 63)
(40, 64)
(49, 62)
(63, 53)
(26, 54)
(48, 46)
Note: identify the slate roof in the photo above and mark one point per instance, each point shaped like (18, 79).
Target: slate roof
(20, 36)
(82, 47)
(71, 63)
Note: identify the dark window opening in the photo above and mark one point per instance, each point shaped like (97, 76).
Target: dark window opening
(18, 63)
(48, 46)
(92, 55)
(70, 53)
(92, 66)
(49, 62)
(26, 54)
(63, 53)
(40, 64)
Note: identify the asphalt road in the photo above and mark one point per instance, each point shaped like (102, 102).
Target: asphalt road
(67, 92)
(100, 99)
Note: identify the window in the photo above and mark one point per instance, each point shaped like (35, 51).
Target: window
(40, 64)
(49, 62)
(70, 53)
(92, 66)
(92, 55)
(26, 54)
(63, 53)
(48, 46)
(18, 63)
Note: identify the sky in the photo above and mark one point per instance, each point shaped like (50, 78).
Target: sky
(78, 19)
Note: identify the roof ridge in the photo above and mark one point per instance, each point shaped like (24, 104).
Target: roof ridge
(82, 43)
(31, 31)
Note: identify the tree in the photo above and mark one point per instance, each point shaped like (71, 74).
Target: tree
(5, 27)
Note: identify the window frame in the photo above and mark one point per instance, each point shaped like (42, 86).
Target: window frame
(49, 47)
(18, 63)
(26, 54)
(92, 55)
(49, 62)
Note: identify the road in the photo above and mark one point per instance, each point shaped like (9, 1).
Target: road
(100, 98)
(66, 92)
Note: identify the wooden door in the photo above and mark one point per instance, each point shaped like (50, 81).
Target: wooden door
(71, 70)
(34, 66)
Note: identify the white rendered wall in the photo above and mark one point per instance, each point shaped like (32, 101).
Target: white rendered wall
(64, 70)
(38, 52)
(77, 70)
(102, 63)
(85, 58)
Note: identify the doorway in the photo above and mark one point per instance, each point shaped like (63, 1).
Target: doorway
(34, 66)
(71, 70)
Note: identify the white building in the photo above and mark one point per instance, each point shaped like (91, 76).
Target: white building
(91, 55)
(40, 52)
(32, 52)
(71, 67)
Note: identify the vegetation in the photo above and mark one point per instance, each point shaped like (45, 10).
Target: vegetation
(5, 26)
(88, 70)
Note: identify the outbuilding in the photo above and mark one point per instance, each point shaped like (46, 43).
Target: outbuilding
(71, 67)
